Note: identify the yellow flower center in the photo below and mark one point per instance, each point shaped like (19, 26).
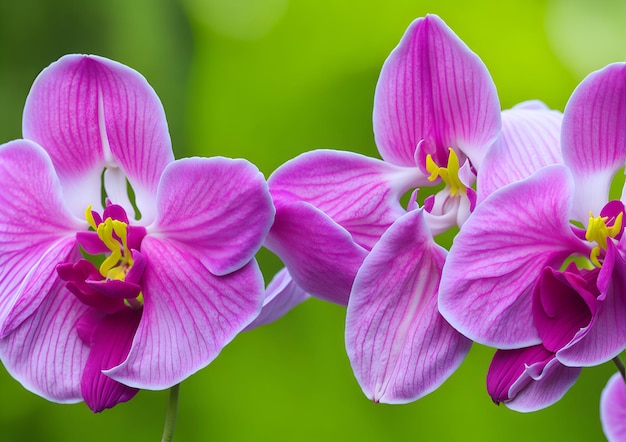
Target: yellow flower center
(598, 232)
(120, 260)
(449, 175)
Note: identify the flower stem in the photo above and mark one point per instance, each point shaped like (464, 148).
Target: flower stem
(170, 416)
(620, 366)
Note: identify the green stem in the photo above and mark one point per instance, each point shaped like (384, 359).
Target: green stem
(620, 366)
(170, 416)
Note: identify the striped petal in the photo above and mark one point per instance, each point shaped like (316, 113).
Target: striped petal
(399, 346)
(530, 139)
(359, 193)
(189, 315)
(36, 230)
(218, 207)
(434, 88)
(89, 112)
(594, 136)
(322, 257)
(499, 254)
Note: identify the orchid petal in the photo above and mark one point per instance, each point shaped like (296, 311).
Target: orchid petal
(321, 255)
(89, 113)
(44, 353)
(359, 193)
(613, 409)
(529, 378)
(109, 343)
(219, 207)
(499, 254)
(281, 295)
(605, 336)
(399, 346)
(434, 88)
(530, 139)
(563, 303)
(594, 136)
(36, 230)
(189, 315)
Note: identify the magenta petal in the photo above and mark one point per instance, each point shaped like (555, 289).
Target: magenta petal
(499, 254)
(613, 409)
(563, 304)
(359, 193)
(114, 288)
(281, 295)
(110, 340)
(605, 336)
(434, 88)
(218, 207)
(321, 256)
(44, 353)
(399, 346)
(530, 139)
(76, 276)
(594, 136)
(528, 379)
(189, 315)
(89, 112)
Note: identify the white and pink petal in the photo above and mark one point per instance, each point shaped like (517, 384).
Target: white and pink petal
(432, 87)
(399, 346)
(89, 112)
(594, 136)
(530, 139)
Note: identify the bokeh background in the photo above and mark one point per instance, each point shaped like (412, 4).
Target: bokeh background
(267, 80)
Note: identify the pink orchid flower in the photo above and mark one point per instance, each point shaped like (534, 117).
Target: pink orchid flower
(541, 262)
(344, 236)
(175, 278)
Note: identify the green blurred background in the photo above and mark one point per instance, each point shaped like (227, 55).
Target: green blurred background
(267, 80)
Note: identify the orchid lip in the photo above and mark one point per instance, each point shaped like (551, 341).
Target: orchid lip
(120, 272)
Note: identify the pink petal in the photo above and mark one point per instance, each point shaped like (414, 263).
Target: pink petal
(530, 139)
(44, 353)
(189, 315)
(109, 342)
(613, 409)
(89, 112)
(529, 379)
(499, 254)
(594, 136)
(281, 295)
(359, 193)
(434, 88)
(605, 337)
(399, 345)
(36, 230)
(321, 256)
(218, 207)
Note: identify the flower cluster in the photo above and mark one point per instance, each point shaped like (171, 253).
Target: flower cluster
(123, 269)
